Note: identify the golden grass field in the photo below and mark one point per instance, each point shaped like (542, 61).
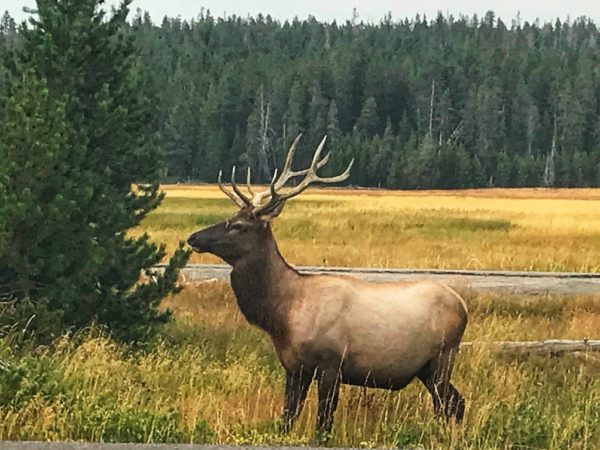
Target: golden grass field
(512, 229)
(213, 378)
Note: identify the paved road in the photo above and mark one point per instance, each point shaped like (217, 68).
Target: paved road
(526, 283)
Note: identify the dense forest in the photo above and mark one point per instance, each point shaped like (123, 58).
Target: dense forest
(419, 103)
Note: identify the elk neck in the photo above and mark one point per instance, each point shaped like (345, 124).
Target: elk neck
(264, 284)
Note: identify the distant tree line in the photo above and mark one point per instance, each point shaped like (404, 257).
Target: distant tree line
(443, 103)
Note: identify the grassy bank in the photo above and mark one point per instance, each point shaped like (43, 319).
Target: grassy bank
(215, 379)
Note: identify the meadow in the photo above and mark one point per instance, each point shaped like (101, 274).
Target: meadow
(512, 229)
(212, 378)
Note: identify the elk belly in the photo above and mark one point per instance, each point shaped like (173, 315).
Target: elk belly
(393, 378)
(386, 362)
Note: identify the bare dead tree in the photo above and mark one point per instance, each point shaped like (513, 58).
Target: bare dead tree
(431, 107)
(264, 136)
(549, 169)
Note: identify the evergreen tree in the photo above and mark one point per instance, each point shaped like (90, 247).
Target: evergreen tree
(564, 168)
(454, 168)
(528, 173)
(368, 122)
(78, 148)
(317, 114)
(422, 165)
(503, 171)
(37, 196)
(181, 130)
(296, 112)
(378, 166)
(8, 28)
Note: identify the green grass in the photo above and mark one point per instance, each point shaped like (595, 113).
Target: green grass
(431, 222)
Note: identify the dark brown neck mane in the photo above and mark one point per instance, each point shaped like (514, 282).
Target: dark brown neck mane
(263, 283)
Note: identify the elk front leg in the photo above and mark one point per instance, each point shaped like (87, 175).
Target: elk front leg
(328, 392)
(296, 388)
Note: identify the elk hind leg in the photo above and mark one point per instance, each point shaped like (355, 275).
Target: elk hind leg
(447, 401)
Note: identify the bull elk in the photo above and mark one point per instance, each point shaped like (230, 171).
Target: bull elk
(334, 329)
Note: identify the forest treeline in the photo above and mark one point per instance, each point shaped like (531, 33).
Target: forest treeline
(419, 103)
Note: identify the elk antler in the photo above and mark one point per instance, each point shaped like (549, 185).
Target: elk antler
(269, 200)
(242, 201)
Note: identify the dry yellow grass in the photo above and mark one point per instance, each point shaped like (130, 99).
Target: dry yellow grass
(248, 399)
(519, 229)
(216, 379)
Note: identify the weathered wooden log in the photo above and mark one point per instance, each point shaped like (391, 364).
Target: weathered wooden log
(552, 346)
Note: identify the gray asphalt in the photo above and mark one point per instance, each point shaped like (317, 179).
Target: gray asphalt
(518, 283)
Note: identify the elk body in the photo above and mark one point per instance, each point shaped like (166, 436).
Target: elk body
(334, 329)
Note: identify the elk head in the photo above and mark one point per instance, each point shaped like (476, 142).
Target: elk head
(248, 230)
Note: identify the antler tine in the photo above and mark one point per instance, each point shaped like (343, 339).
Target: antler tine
(324, 161)
(273, 187)
(248, 185)
(291, 174)
(341, 177)
(310, 177)
(286, 174)
(317, 154)
(287, 167)
(287, 171)
(236, 200)
(237, 190)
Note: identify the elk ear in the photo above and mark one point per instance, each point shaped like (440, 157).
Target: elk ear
(269, 214)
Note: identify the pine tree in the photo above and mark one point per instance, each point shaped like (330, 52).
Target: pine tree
(90, 176)
(8, 28)
(422, 164)
(368, 121)
(378, 165)
(180, 132)
(317, 114)
(296, 113)
(454, 168)
(527, 171)
(503, 171)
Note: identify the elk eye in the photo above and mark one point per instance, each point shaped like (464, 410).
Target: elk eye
(237, 226)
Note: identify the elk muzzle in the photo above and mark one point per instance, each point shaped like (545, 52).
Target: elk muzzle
(204, 241)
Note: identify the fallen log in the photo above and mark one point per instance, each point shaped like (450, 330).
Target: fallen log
(552, 346)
